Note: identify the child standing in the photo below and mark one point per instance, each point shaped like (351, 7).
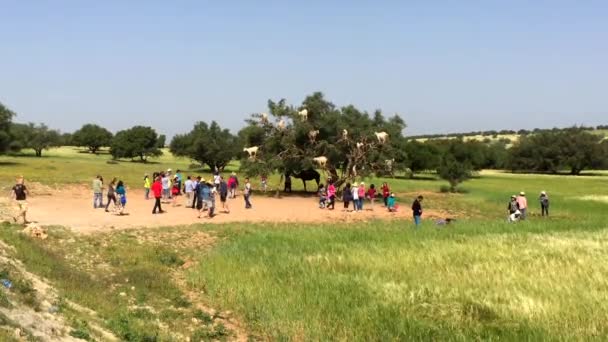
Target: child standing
(322, 196)
(371, 193)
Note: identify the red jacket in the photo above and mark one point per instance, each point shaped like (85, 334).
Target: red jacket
(157, 189)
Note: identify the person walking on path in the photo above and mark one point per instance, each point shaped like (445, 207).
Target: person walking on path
(157, 190)
(544, 203)
(189, 192)
(147, 186)
(97, 193)
(386, 192)
(417, 210)
(111, 194)
(223, 191)
(233, 183)
(166, 183)
(19, 193)
(247, 194)
(121, 191)
(523, 204)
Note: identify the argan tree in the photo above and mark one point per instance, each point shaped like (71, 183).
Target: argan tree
(92, 137)
(207, 144)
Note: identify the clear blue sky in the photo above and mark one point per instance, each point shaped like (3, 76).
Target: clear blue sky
(445, 66)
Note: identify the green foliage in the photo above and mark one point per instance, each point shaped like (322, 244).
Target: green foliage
(285, 144)
(6, 117)
(550, 151)
(137, 142)
(92, 137)
(456, 163)
(81, 330)
(37, 137)
(421, 156)
(207, 144)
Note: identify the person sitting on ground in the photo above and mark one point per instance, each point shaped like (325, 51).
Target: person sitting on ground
(121, 191)
(391, 204)
(544, 203)
(19, 193)
(322, 196)
(157, 190)
(347, 197)
(513, 209)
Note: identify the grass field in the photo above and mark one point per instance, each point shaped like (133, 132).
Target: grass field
(479, 279)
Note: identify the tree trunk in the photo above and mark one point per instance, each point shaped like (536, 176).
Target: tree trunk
(38, 152)
(575, 171)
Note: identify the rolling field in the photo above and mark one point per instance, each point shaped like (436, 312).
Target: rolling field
(478, 279)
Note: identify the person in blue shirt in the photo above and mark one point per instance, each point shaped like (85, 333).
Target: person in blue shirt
(204, 196)
(122, 197)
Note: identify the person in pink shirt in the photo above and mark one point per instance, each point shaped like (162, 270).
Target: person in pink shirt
(331, 194)
(361, 195)
(523, 205)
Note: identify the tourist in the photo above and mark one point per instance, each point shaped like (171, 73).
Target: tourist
(264, 183)
(223, 191)
(19, 193)
(247, 194)
(331, 194)
(202, 196)
(179, 178)
(355, 196)
(196, 203)
(175, 191)
(390, 203)
(371, 194)
(513, 209)
(147, 186)
(523, 204)
(361, 195)
(166, 186)
(157, 190)
(111, 194)
(544, 203)
(122, 197)
(386, 191)
(322, 196)
(233, 184)
(97, 193)
(189, 191)
(347, 197)
(211, 204)
(417, 210)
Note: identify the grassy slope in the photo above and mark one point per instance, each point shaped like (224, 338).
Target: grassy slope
(482, 278)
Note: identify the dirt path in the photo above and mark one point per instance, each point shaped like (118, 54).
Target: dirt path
(73, 207)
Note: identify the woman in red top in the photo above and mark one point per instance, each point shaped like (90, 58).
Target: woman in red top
(157, 189)
(386, 192)
(371, 193)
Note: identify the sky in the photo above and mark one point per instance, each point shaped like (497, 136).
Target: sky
(443, 66)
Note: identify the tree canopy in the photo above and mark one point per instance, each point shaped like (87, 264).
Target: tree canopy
(6, 117)
(207, 144)
(92, 137)
(136, 142)
(288, 140)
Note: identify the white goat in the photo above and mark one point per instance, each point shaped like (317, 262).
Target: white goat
(281, 125)
(312, 135)
(322, 161)
(252, 151)
(381, 136)
(303, 114)
(344, 134)
(264, 117)
(360, 145)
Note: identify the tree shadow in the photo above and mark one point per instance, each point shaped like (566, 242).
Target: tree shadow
(9, 163)
(417, 177)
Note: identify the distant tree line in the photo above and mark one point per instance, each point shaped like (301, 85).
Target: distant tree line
(494, 133)
(342, 141)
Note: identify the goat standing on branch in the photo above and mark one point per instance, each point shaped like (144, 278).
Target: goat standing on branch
(312, 135)
(321, 161)
(251, 151)
(303, 114)
(382, 137)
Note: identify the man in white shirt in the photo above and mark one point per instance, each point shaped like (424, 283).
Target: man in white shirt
(189, 190)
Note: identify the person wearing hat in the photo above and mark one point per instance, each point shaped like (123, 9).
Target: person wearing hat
(390, 203)
(513, 209)
(544, 203)
(355, 193)
(523, 204)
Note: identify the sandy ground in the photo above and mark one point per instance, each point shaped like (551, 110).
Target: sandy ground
(73, 207)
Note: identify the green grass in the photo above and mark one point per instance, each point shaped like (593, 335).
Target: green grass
(479, 279)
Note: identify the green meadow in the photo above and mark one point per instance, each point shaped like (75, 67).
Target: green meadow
(480, 278)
